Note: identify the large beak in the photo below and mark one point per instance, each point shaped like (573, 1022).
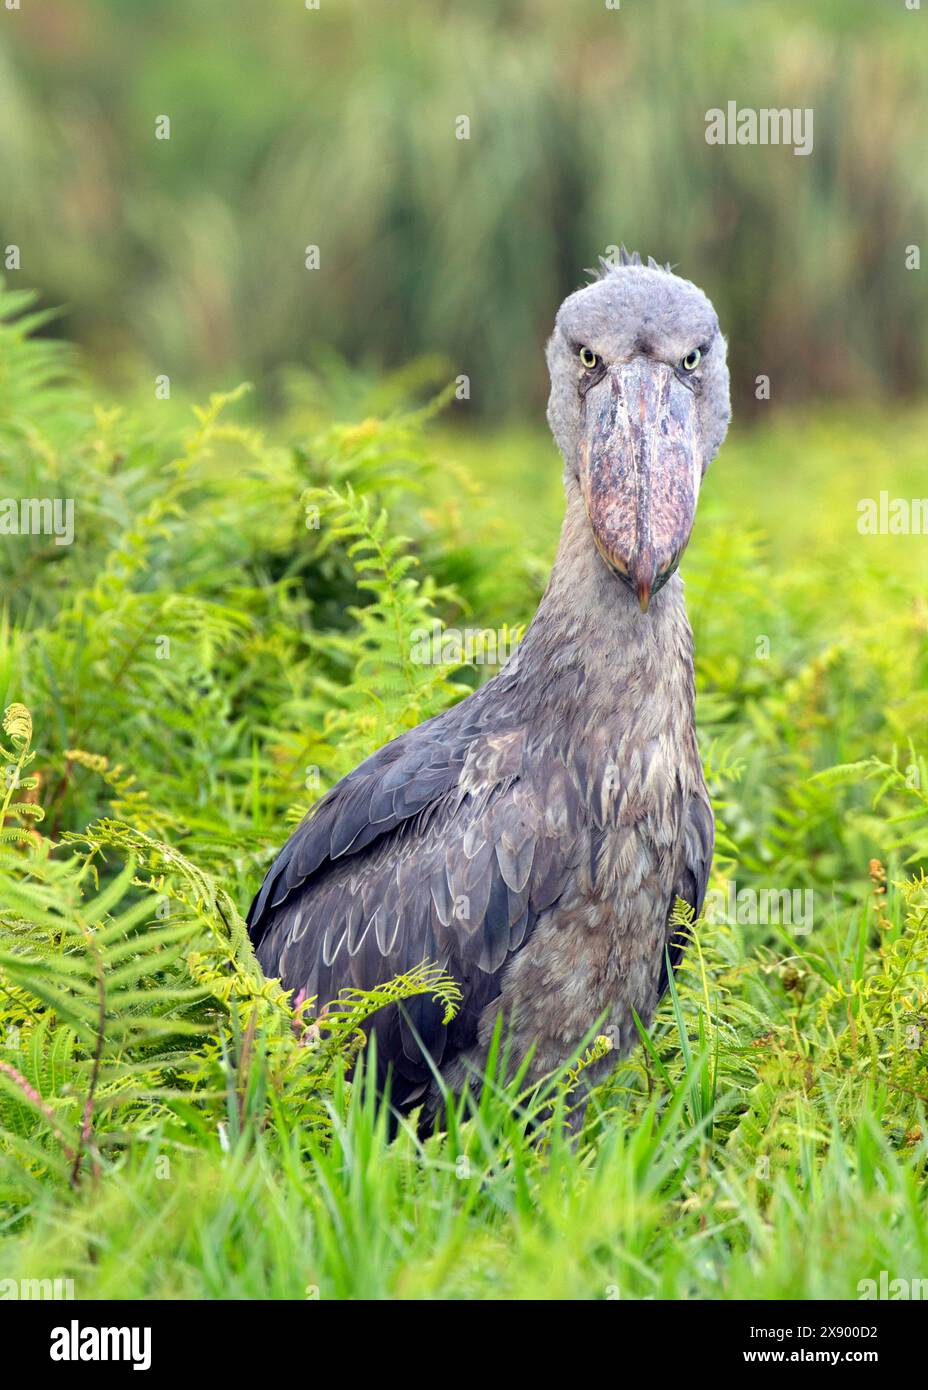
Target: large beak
(640, 470)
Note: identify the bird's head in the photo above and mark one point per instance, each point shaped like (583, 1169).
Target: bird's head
(639, 407)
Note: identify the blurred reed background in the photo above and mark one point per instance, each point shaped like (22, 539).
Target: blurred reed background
(336, 127)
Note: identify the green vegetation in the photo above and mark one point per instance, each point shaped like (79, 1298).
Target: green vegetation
(228, 633)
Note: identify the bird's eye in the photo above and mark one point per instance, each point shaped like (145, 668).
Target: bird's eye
(692, 360)
(588, 358)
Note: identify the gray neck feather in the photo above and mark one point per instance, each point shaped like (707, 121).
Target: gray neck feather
(592, 660)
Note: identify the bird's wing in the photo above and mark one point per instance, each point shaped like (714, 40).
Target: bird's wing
(698, 841)
(444, 846)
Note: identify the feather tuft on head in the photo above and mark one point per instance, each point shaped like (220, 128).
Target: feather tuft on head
(624, 257)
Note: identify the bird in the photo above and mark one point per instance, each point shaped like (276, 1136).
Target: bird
(532, 840)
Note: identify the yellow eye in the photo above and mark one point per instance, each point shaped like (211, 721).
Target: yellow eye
(588, 358)
(692, 360)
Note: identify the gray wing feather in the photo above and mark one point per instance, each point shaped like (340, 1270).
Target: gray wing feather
(433, 849)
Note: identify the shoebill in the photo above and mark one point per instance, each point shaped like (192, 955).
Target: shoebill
(533, 839)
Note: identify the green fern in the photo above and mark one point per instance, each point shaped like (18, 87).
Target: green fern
(131, 1002)
(17, 725)
(381, 689)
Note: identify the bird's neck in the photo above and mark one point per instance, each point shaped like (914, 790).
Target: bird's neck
(592, 658)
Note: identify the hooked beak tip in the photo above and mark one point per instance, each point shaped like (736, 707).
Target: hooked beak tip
(645, 579)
